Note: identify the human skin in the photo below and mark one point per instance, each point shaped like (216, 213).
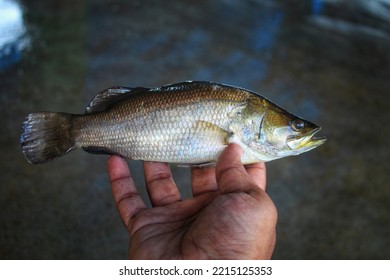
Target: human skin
(230, 216)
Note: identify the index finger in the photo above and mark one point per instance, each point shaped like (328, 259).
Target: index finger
(126, 197)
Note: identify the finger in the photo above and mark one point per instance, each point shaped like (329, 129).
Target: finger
(203, 180)
(159, 182)
(257, 172)
(126, 197)
(230, 172)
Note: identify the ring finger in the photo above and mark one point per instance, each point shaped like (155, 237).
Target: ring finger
(203, 180)
(159, 183)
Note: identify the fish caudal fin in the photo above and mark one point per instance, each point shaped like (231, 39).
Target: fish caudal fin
(46, 136)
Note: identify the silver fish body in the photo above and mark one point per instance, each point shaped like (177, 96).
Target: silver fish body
(188, 123)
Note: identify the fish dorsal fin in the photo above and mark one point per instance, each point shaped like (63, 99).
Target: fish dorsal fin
(110, 96)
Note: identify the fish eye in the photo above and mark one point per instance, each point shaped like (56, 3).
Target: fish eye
(297, 125)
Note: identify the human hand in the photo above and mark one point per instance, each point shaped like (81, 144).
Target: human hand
(229, 217)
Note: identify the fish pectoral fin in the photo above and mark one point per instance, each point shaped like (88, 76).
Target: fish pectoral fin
(110, 96)
(210, 132)
(235, 127)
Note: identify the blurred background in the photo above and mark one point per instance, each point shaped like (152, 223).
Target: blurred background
(325, 60)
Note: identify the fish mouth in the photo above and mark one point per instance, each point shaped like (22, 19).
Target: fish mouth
(305, 142)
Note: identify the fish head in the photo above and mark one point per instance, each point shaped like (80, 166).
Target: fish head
(283, 134)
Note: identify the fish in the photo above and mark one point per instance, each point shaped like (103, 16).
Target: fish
(188, 124)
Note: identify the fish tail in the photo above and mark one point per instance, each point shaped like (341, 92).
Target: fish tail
(46, 136)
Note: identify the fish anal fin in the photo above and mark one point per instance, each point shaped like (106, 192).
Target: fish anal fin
(106, 98)
(99, 150)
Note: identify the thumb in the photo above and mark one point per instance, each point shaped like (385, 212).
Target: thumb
(231, 174)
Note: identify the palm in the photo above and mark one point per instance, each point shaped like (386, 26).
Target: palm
(234, 219)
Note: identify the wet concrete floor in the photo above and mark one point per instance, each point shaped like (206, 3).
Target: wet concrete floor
(327, 61)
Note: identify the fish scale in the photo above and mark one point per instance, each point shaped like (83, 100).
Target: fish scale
(146, 132)
(187, 123)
